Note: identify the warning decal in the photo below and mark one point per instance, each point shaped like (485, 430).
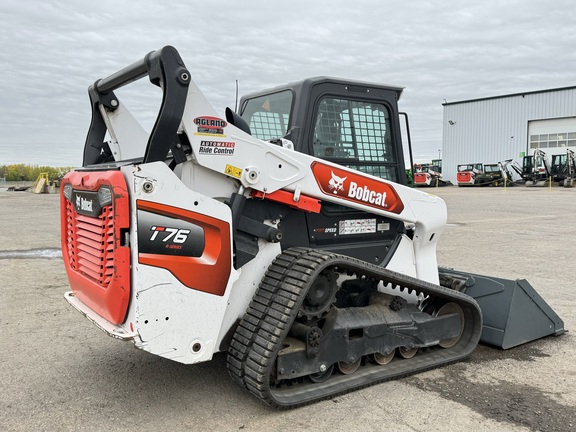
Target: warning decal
(233, 171)
(357, 226)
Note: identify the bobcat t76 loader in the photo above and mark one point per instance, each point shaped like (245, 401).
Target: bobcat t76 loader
(283, 235)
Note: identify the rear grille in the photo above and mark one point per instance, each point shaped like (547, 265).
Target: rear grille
(95, 226)
(464, 176)
(90, 243)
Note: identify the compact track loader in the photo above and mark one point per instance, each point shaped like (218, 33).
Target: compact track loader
(467, 174)
(496, 174)
(429, 175)
(283, 235)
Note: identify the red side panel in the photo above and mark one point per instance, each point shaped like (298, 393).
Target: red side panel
(208, 272)
(96, 261)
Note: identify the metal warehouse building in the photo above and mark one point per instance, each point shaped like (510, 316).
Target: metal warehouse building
(494, 129)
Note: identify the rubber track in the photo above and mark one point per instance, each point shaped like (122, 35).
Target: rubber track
(261, 332)
(253, 320)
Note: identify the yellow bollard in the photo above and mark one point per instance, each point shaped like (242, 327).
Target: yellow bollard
(550, 183)
(436, 182)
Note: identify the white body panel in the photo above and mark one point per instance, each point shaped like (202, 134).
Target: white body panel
(244, 288)
(165, 317)
(404, 260)
(171, 319)
(124, 128)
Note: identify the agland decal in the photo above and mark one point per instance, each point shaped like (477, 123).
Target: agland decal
(357, 188)
(210, 125)
(217, 148)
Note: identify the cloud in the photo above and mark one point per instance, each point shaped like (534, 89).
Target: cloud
(52, 52)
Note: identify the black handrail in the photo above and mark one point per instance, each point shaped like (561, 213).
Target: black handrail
(125, 76)
(165, 69)
(405, 115)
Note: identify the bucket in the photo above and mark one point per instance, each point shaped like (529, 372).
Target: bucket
(513, 312)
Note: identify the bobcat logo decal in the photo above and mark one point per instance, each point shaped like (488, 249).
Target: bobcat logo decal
(336, 183)
(356, 187)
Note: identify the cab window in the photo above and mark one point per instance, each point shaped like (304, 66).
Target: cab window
(356, 134)
(268, 116)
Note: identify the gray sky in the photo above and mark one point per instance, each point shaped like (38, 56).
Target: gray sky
(454, 50)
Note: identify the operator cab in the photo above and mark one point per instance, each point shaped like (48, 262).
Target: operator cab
(346, 122)
(349, 123)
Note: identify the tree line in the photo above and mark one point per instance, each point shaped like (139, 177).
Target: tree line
(22, 172)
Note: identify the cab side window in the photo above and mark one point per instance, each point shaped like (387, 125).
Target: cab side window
(356, 134)
(268, 116)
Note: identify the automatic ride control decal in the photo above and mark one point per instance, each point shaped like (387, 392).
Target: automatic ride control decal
(217, 148)
(357, 188)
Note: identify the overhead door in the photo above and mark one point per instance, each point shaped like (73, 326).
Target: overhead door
(552, 136)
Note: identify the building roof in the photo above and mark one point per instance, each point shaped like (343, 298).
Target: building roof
(510, 95)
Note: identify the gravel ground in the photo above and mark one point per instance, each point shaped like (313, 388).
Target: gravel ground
(59, 373)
